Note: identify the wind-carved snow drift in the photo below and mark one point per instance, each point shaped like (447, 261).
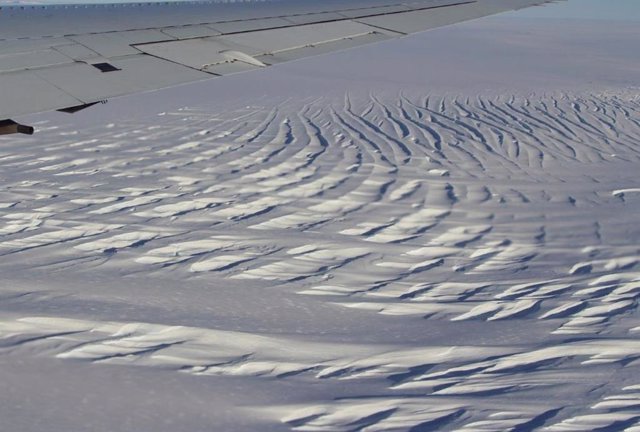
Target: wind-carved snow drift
(490, 244)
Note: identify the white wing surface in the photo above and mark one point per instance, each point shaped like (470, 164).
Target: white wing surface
(67, 57)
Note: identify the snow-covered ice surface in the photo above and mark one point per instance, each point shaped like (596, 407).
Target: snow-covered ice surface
(399, 257)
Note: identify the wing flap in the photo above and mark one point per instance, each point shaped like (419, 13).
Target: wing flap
(322, 48)
(220, 54)
(413, 22)
(29, 45)
(249, 25)
(25, 93)
(33, 59)
(230, 67)
(87, 83)
(77, 52)
(269, 41)
(107, 45)
(190, 31)
(194, 53)
(312, 18)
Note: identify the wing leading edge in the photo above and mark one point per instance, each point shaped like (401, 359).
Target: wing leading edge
(68, 57)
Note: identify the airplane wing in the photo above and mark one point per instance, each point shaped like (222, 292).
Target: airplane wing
(69, 57)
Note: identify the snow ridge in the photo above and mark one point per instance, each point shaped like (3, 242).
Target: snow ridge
(486, 248)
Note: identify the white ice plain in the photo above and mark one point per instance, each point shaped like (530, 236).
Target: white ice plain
(445, 238)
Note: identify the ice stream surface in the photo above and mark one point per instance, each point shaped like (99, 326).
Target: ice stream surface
(382, 260)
